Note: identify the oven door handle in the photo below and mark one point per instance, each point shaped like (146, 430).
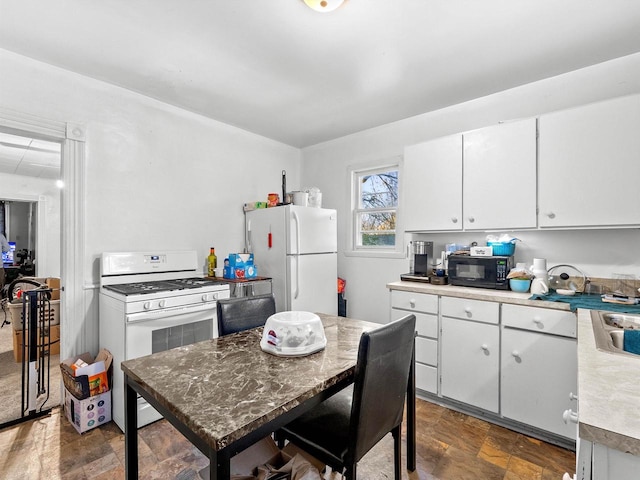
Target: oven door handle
(169, 312)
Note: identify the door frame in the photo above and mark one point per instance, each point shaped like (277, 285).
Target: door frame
(72, 137)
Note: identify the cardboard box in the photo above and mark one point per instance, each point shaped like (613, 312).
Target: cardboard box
(232, 273)
(266, 451)
(94, 379)
(51, 339)
(54, 285)
(88, 413)
(240, 260)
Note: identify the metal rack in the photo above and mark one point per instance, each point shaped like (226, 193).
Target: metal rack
(36, 359)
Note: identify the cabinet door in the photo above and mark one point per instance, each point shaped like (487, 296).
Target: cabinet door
(539, 372)
(500, 176)
(432, 185)
(470, 362)
(591, 152)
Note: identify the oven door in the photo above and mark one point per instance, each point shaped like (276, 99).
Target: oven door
(152, 332)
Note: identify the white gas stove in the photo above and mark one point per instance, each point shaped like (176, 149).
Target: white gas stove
(150, 302)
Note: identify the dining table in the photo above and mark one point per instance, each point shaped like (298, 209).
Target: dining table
(225, 394)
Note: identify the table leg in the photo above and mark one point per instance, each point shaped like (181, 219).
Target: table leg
(219, 465)
(130, 431)
(411, 413)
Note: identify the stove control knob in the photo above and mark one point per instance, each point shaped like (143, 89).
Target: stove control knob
(162, 304)
(205, 298)
(146, 305)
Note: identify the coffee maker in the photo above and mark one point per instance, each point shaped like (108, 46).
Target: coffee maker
(420, 252)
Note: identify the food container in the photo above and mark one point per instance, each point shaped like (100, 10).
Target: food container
(502, 249)
(293, 333)
(519, 284)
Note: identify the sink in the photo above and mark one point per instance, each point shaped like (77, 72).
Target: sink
(608, 329)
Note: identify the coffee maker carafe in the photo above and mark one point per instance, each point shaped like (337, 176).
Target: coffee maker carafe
(419, 259)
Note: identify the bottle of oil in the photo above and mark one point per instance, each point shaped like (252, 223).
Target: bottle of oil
(212, 263)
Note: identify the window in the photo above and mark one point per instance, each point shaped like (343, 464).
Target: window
(375, 209)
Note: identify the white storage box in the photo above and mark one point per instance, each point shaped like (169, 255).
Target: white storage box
(88, 413)
(293, 334)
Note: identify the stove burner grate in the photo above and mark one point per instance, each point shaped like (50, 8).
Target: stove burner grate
(139, 288)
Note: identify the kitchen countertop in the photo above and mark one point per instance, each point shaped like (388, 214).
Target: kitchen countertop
(487, 294)
(609, 393)
(608, 384)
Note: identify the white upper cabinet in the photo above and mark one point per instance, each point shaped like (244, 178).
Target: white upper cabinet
(432, 185)
(499, 176)
(589, 165)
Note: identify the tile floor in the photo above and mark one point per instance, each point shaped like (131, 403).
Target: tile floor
(451, 446)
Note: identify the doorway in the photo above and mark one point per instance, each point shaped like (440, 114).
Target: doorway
(30, 204)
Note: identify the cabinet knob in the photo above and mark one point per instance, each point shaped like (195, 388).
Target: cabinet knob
(467, 310)
(570, 416)
(471, 219)
(538, 323)
(551, 215)
(573, 396)
(515, 354)
(454, 219)
(412, 302)
(485, 347)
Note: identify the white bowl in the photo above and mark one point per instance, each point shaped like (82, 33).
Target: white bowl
(293, 334)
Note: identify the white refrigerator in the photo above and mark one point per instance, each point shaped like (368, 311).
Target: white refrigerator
(297, 247)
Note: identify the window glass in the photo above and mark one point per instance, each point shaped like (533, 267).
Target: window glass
(376, 200)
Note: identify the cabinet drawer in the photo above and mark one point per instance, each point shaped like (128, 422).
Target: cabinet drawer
(542, 320)
(426, 351)
(426, 323)
(478, 310)
(420, 302)
(426, 378)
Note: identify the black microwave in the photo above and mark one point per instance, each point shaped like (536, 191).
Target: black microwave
(484, 272)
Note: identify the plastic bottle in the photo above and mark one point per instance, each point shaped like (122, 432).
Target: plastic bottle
(212, 263)
(540, 283)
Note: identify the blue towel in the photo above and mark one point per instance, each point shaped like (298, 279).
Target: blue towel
(631, 342)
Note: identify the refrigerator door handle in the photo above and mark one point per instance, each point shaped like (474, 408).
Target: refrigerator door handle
(296, 219)
(297, 290)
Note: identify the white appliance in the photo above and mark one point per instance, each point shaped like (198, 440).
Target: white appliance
(151, 302)
(297, 247)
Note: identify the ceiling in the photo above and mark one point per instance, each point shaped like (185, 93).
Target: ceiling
(281, 70)
(29, 157)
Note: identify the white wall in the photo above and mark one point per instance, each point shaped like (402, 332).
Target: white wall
(599, 253)
(157, 177)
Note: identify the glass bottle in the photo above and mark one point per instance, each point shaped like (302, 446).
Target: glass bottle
(212, 263)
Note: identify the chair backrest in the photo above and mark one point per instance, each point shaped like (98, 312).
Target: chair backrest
(238, 314)
(380, 386)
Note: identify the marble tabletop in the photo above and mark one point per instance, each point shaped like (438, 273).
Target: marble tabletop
(223, 388)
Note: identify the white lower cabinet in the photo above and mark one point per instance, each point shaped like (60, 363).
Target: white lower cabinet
(425, 308)
(538, 377)
(539, 370)
(470, 362)
(516, 362)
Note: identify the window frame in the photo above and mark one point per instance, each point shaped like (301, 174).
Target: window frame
(355, 173)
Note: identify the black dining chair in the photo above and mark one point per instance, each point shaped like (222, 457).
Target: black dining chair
(343, 428)
(238, 314)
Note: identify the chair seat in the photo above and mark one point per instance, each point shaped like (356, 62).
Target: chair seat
(324, 430)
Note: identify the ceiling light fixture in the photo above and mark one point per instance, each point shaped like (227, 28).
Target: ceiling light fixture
(324, 6)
